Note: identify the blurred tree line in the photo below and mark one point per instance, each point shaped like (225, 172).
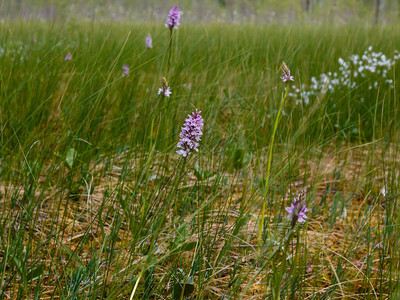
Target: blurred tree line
(231, 11)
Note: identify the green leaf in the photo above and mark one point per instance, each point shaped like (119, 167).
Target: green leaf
(238, 156)
(201, 174)
(240, 222)
(70, 157)
(181, 234)
(189, 246)
(35, 273)
(187, 290)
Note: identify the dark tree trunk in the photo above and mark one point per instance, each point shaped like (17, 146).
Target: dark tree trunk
(377, 8)
(307, 5)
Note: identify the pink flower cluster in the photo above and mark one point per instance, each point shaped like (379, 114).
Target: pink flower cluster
(191, 134)
(173, 18)
(297, 210)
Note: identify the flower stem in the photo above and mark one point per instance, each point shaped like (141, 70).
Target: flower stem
(261, 222)
(170, 49)
(179, 179)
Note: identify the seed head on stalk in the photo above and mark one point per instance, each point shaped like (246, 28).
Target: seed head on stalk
(164, 90)
(286, 73)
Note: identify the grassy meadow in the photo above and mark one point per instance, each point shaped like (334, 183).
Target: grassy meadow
(96, 203)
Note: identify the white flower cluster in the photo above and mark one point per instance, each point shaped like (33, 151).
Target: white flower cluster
(17, 51)
(371, 64)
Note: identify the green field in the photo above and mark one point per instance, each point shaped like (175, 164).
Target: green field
(97, 204)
